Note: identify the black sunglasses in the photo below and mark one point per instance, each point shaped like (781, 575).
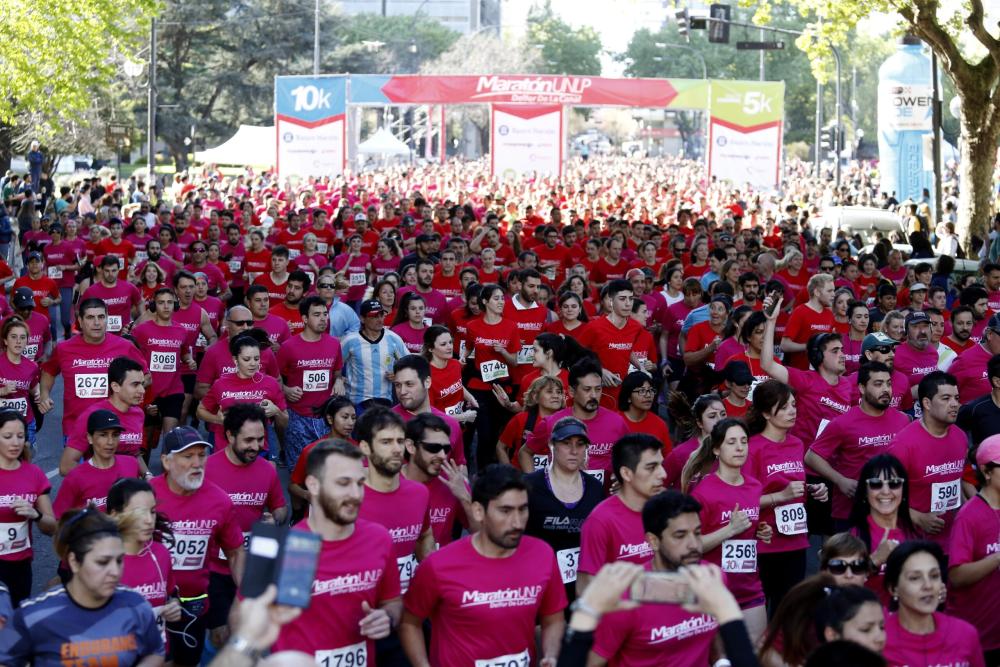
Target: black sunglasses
(325, 285)
(881, 349)
(839, 566)
(434, 447)
(242, 323)
(876, 483)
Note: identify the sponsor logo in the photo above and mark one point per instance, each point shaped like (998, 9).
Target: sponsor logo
(874, 440)
(949, 468)
(839, 407)
(753, 513)
(558, 89)
(9, 499)
(193, 526)
(439, 514)
(348, 583)
(634, 550)
(787, 466)
(600, 448)
(405, 533)
(501, 598)
(686, 628)
(242, 396)
(565, 523)
(314, 363)
(452, 389)
(248, 499)
(152, 591)
(619, 346)
(101, 363)
(164, 342)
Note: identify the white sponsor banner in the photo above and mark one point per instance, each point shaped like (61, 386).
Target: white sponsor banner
(742, 156)
(526, 139)
(905, 107)
(311, 151)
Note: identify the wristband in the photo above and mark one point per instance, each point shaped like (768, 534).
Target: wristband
(242, 645)
(580, 606)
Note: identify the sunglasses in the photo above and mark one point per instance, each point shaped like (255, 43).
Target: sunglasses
(881, 349)
(325, 285)
(839, 566)
(434, 447)
(826, 268)
(242, 323)
(876, 483)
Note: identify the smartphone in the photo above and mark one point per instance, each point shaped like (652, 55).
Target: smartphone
(775, 295)
(263, 550)
(661, 588)
(299, 557)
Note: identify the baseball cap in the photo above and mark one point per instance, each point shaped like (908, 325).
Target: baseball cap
(181, 438)
(917, 317)
(994, 322)
(360, 216)
(988, 451)
(916, 287)
(567, 427)
(425, 238)
(738, 372)
(102, 420)
(23, 298)
(33, 256)
(407, 220)
(55, 227)
(371, 306)
(877, 339)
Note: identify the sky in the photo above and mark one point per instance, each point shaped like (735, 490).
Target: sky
(616, 21)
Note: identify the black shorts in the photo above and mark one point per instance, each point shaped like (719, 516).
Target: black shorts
(221, 592)
(188, 381)
(170, 406)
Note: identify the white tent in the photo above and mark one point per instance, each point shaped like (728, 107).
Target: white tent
(383, 142)
(250, 145)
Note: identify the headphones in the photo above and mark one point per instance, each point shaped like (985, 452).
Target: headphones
(814, 349)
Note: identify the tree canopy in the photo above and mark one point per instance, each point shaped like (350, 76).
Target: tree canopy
(564, 49)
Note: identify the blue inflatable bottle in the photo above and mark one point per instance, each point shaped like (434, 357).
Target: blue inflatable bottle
(905, 121)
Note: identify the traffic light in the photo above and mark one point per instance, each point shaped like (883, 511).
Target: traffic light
(718, 29)
(683, 23)
(829, 140)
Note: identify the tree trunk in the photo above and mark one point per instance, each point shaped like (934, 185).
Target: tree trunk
(978, 158)
(6, 149)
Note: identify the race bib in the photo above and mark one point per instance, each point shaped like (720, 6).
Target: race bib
(549, 272)
(188, 552)
(457, 409)
(293, 253)
(521, 659)
(428, 322)
(540, 461)
(739, 556)
(114, 322)
(234, 265)
(569, 560)
(355, 655)
(316, 380)
(19, 405)
(163, 362)
(407, 566)
(526, 354)
(322, 247)
(599, 474)
(946, 496)
(55, 272)
(493, 370)
(141, 256)
(91, 385)
(14, 538)
(357, 279)
(121, 263)
(31, 351)
(246, 541)
(201, 341)
(791, 519)
(462, 349)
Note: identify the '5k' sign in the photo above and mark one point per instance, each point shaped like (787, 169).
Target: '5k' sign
(755, 103)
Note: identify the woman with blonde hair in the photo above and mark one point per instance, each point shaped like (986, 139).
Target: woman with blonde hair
(545, 396)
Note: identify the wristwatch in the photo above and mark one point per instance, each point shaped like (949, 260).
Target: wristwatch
(242, 645)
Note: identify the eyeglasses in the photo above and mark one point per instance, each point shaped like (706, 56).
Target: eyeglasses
(881, 349)
(644, 391)
(876, 483)
(325, 285)
(839, 566)
(242, 323)
(197, 250)
(826, 268)
(434, 447)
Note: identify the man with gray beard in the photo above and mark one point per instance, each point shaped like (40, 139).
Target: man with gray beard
(200, 514)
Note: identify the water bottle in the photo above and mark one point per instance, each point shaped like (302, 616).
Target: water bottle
(905, 121)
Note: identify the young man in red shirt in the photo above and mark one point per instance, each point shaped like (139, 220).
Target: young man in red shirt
(813, 317)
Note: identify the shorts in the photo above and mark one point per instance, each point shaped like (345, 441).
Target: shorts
(300, 432)
(221, 592)
(188, 380)
(169, 406)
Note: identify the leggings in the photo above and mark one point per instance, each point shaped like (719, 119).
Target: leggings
(779, 572)
(16, 575)
(490, 422)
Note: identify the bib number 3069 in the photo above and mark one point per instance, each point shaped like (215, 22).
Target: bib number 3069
(355, 655)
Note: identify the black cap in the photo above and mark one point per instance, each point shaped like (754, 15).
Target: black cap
(425, 238)
(994, 322)
(181, 438)
(103, 420)
(23, 298)
(567, 427)
(33, 256)
(371, 306)
(917, 317)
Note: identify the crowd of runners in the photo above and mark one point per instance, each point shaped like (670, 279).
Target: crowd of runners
(626, 417)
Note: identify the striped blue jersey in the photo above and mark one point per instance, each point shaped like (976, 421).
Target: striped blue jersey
(367, 362)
